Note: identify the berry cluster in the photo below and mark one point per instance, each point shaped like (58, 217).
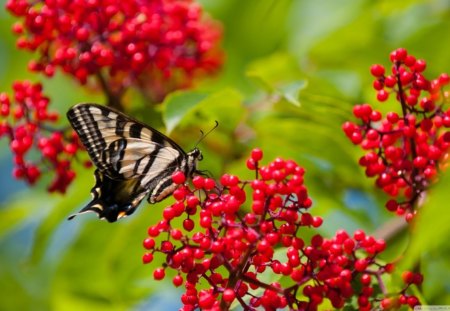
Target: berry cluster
(26, 121)
(214, 235)
(405, 148)
(156, 45)
(394, 303)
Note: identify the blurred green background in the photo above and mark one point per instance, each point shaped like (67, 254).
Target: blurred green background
(293, 71)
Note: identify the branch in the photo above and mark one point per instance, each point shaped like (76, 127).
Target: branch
(113, 98)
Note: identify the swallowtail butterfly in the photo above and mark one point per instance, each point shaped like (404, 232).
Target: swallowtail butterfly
(133, 160)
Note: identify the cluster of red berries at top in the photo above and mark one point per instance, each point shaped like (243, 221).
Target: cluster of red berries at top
(221, 240)
(405, 148)
(156, 45)
(26, 122)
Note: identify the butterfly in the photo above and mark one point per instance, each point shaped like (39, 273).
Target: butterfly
(133, 160)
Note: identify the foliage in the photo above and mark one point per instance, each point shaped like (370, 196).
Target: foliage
(293, 71)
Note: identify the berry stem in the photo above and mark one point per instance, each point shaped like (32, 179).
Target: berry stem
(412, 142)
(236, 274)
(377, 274)
(113, 98)
(261, 284)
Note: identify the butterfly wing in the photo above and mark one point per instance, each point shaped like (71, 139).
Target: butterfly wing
(132, 160)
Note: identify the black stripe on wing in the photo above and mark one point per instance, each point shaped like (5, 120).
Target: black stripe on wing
(85, 125)
(88, 113)
(110, 136)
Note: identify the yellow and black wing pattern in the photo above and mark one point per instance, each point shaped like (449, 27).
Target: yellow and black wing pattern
(133, 160)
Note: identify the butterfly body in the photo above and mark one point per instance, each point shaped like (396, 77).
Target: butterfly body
(133, 160)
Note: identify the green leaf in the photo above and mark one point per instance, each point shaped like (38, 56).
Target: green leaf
(278, 74)
(177, 105)
(291, 91)
(17, 212)
(272, 71)
(431, 230)
(224, 106)
(188, 108)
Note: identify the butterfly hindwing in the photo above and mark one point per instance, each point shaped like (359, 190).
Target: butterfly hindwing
(132, 160)
(112, 198)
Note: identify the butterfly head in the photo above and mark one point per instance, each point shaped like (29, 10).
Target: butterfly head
(192, 158)
(196, 154)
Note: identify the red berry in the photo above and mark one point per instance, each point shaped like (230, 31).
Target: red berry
(178, 177)
(149, 243)
(177, 280)
(420, 65)
(406, 77)
(417, 279)
(176, 234)
(365, 279)
(420, 162)
(228, 295)
(389, 267)
(198, 182)
(382, 95)
(209, 184)
(359, 235)
(411, 100)
(375, 116)
(356, 138)
(407, 277)
(251, 164)
(153, 231)
(410, 61)
(257, 154)
(378, 85)
(317, 221)
(413, 301)
(386, 303)
(377, 70)
(206, 300)
(399, 55)
(392, 205)
(361, 265)
(444, 79)
(390, 81)
(159, 274)
(147, 258)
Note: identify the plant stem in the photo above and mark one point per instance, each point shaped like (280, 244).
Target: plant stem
(113, 98)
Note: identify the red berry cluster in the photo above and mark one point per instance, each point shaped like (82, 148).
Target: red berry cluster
(395, 303)
(405, 148)
(214, 235)
(25, 121)
(157, 45)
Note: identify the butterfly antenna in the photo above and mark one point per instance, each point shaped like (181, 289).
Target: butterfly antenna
(203, 135)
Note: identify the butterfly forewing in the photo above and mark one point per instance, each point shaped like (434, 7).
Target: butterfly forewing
(132, 160)
(108, 134)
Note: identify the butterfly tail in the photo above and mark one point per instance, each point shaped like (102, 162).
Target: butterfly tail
(111, 199)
